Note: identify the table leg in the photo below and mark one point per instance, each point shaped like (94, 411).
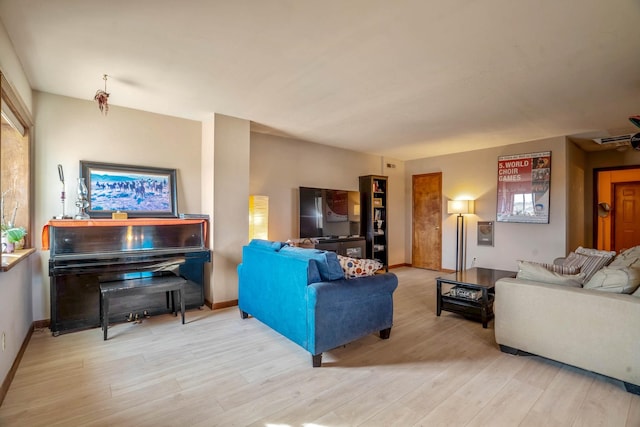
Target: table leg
(438, 297)
(483, 309)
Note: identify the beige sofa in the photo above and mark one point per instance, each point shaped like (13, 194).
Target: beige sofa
(591, 329)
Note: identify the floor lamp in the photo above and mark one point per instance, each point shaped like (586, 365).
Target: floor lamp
(259, 217)
(460, 207)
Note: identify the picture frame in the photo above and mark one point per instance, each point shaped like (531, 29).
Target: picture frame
(140, 191)
(524, 184)
(485, 233)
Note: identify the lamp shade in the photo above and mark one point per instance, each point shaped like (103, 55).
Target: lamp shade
(460, 207)
(258, 217)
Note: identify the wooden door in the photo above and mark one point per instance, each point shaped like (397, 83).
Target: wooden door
(626, 216)
(426, 248)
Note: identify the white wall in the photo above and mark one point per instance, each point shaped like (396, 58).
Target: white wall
(577, 232)
(474, 174)
(231, 144)
(280, 165)
(16, 315)
(206, 194)
(12, 69)
(69, 130)
(396, 218)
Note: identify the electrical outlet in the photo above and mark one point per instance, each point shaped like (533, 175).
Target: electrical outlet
(4, 342)
(473, 263)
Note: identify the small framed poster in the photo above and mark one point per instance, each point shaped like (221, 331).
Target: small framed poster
(485, 233)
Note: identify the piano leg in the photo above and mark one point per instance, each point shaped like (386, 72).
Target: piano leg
(182, 298)
(171, 302)
(104, 304)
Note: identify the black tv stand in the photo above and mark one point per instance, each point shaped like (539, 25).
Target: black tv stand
(354, 247)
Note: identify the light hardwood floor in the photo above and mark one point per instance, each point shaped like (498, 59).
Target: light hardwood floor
(220, 370)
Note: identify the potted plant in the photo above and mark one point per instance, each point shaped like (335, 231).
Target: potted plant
(11, 237)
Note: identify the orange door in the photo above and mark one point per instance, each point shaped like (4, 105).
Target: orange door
(426, 248)
(626, 224)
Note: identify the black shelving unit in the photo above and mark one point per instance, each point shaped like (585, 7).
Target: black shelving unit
(374, 218)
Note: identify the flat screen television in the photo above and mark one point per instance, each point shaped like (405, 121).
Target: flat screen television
(329, 213)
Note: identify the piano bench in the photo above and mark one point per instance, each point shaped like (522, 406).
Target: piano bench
(147, 285)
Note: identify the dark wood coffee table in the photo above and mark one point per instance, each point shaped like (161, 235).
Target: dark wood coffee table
(473, 279)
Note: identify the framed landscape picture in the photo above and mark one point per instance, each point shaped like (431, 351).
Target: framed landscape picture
(524, 182)
(141, 192)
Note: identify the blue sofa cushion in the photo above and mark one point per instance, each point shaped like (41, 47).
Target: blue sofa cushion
(267, 244)
(327, 261)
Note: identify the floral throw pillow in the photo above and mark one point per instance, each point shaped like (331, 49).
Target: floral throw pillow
(354, 267)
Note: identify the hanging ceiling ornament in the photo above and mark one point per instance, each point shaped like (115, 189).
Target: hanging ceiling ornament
(103, 97)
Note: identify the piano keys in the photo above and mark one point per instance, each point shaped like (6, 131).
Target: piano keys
(84, 254)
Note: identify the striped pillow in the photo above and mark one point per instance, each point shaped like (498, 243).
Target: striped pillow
(536, 272)
(595, 252)
(588, 264)
(563, 269)
(574, 260)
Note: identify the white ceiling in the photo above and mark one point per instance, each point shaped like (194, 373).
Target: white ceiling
(405, 79)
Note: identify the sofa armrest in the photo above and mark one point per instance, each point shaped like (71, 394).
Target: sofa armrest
(341, 311)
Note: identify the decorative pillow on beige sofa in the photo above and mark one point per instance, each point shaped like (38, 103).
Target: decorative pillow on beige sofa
(538, 273)
(595, 252)
(628, 258)
(616, 279)
(590, 260)
(561, 268)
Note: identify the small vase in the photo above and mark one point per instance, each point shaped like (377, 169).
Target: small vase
(7, 248)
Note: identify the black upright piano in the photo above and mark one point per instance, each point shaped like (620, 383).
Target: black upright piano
(84, 254)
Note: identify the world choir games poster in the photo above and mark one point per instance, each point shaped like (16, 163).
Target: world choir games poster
(524, 181)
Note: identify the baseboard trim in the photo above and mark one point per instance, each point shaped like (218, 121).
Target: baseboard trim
(408, 264)
(41, 324)
(220, 305)
(225, 304)
(14, 367)
(399, 265)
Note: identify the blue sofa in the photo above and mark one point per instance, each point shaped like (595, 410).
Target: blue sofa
(303, 295)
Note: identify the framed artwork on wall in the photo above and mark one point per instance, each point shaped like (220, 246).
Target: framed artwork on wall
(140, 191)
(485, 233)
(524, 182)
